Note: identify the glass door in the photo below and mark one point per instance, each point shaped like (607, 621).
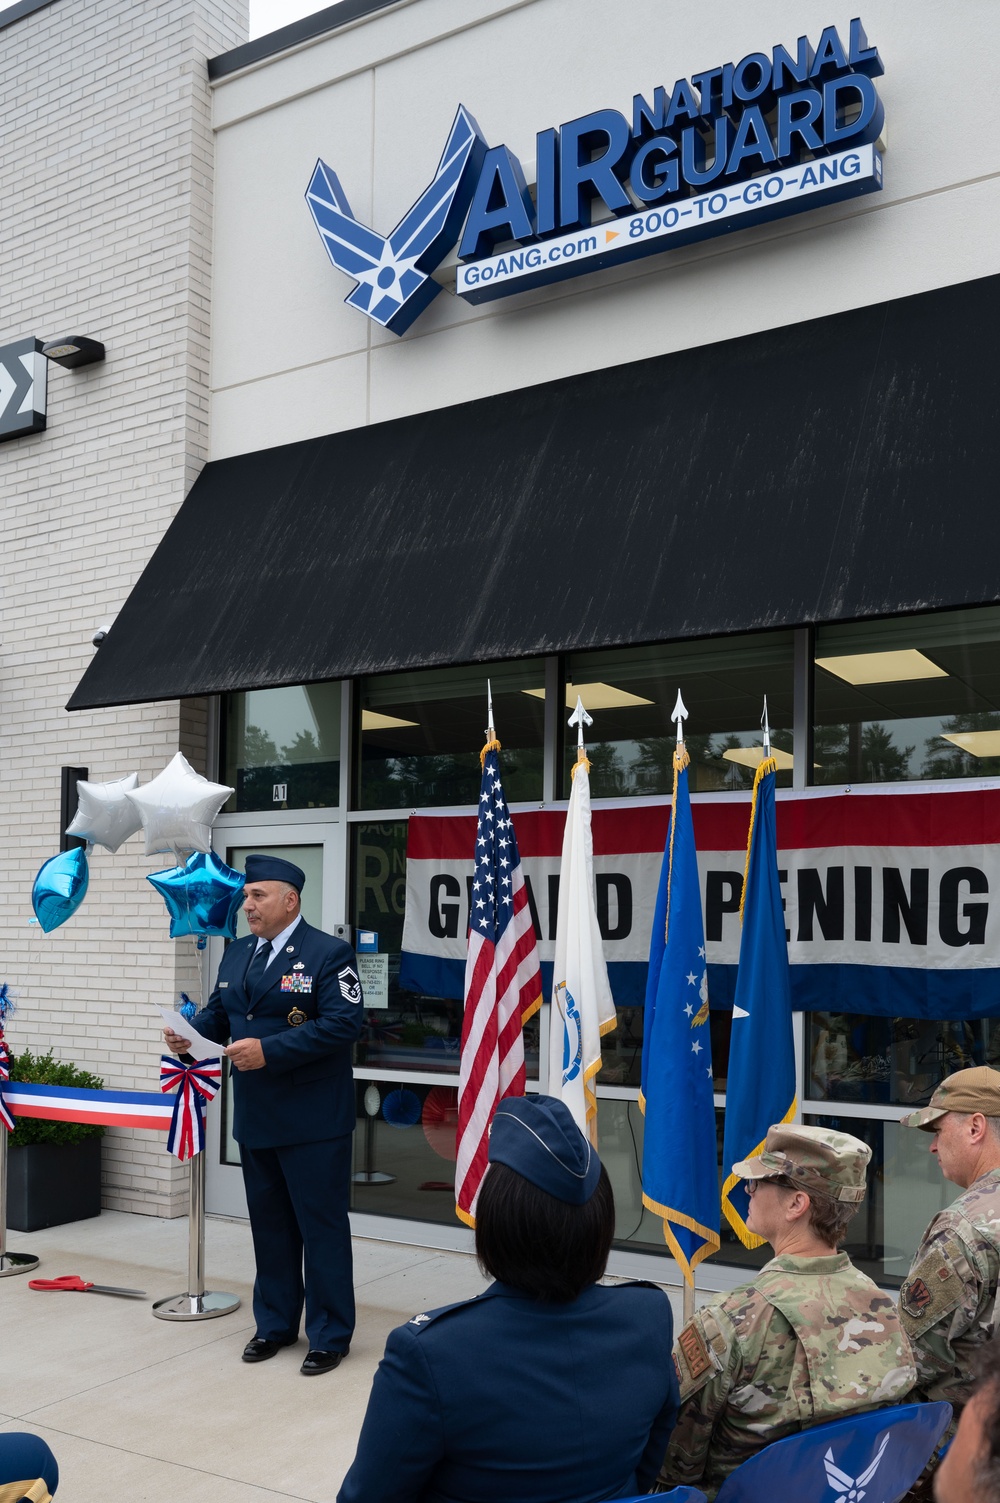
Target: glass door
(317, 849)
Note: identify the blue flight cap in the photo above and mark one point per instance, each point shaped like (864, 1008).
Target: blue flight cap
(275, 869)
(537, 1137)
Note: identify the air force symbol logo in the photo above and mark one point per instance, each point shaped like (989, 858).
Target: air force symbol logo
(394, 285)
(852, 1489)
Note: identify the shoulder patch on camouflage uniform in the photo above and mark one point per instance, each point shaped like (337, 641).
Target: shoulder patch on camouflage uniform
(933, 1290)
(699, 1351)
(694, 1350)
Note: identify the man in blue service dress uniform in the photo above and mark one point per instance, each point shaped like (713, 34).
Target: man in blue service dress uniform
(289, 999)
(547, 1388)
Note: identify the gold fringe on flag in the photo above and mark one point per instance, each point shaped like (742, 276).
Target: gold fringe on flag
(732, 1215)
(681, 760)
(582, 760)
(766, 766)
(493, 745)
(711, 1244)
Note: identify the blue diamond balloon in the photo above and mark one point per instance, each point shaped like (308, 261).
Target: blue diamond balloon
(60, 888)
(203, 896)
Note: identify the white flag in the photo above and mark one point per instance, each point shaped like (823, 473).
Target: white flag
(583, 1008)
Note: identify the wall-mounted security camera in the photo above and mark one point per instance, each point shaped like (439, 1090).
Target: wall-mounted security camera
(100, 634)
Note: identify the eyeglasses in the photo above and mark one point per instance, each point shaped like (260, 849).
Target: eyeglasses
(782, 1183)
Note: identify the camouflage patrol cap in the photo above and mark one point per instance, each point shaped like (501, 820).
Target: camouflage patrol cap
(814, 1159)
(975, 1090)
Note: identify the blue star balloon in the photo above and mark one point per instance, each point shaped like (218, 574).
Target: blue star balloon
(203, 896)
(60, 888)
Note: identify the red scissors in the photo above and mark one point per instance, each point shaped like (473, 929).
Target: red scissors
(73, 1281)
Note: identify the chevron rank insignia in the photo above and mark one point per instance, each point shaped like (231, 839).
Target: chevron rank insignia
(392, 272)
(350, 986)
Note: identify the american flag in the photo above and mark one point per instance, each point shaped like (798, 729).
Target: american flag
(503, 986)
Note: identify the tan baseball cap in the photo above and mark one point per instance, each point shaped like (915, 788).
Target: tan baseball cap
(975, 1090)
(814, 1158)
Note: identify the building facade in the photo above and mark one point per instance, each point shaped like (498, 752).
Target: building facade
(106, 163)
(743, 447)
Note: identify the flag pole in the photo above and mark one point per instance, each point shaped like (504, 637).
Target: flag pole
(580, 718)
(678, 715)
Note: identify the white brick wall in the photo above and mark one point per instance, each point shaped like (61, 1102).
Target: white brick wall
(105, 229)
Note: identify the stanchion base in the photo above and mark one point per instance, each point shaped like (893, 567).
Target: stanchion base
(196, 1306)
(13, 1262)
(372, 1177)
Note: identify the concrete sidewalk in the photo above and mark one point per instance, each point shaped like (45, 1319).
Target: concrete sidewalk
(144, 1409)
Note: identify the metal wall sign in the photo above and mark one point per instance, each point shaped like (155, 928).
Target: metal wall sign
(23, 373)
(774, 134)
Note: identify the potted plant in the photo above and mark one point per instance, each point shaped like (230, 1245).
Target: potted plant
(53, 1168)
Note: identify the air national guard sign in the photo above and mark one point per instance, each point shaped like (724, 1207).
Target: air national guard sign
(774, 134)
(23, 370)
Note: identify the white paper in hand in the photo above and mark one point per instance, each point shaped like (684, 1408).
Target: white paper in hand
(201, 1048)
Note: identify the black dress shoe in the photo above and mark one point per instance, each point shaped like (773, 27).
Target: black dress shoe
(321, 1362)
(258, 1350)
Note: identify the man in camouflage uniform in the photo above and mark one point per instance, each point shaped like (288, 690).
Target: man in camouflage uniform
(809, 1339)
(948, 1304)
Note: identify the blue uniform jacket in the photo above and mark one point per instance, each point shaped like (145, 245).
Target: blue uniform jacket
(305, 1092)
(503, 1398)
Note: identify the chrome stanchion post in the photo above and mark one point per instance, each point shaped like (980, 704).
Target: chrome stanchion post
(369, 1175)
(10, 1262)
(198, 1303)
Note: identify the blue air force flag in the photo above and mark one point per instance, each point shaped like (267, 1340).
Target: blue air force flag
(760, 1090)
(680, 1176)
(583, 1009)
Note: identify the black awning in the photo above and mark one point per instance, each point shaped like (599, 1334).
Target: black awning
(844, 467)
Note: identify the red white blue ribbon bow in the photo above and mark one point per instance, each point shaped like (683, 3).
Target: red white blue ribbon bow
(5, 1113)
(195, 1085)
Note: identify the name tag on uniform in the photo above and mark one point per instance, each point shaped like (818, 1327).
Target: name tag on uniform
(296, 983)
(222, 984)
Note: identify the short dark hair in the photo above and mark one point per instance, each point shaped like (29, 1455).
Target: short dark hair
(527, 1238)
(987, 1463)
(828, 1218)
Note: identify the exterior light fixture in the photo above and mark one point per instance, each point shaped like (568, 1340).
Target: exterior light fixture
(73, 350)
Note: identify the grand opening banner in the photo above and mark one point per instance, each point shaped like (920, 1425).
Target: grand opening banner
(891, 898)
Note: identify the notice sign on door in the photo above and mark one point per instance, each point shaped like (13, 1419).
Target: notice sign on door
(374, 973)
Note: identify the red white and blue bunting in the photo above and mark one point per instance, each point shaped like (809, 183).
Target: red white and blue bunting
(195, 1085)
(5, 1115)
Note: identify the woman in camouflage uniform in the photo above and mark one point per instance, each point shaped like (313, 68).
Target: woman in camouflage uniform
(809, 1339)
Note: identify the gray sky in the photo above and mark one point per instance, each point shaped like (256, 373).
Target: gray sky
(268, 15)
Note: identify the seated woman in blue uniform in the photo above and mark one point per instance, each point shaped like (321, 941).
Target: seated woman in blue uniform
(547, 1388)
(28, 1470)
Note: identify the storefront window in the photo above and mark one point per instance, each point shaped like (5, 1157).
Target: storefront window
(406, 1030)
(631, 691)
(914, 697)
(281, 747)
(421, 734)
(891, 1061)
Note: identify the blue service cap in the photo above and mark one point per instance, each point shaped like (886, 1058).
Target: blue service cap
(537, 1137)
(275, 869)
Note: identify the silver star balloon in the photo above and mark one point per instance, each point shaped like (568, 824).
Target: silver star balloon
(104, 815)
(178, 809)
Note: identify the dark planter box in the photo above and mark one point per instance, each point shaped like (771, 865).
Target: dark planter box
(49, 1183)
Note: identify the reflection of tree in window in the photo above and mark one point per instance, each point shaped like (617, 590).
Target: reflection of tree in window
(418, 781)
(609, 777)
(303, 749)
(859, 753)
(882, 761)
(258, 748)
(944, 760)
